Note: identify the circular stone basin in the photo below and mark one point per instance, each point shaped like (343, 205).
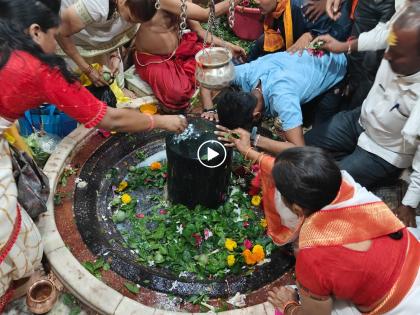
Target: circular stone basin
(103, 237)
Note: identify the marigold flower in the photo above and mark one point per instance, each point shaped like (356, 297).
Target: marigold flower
(248, 257)
(230, 244)
(123, 185)
(263, 223)
(258, 253)
(155, 166)
(230, 260)
(256, 200)
(126, 199)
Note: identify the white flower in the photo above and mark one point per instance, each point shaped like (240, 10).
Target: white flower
(82, 184)
(151, 263)
(238, 300)
(179, 229)
(267, 260)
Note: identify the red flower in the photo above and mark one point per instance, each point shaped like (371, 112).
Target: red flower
(165, 175)
(140, 215)
(248, 244)
(198, 239)
(163, 211)
(245, 224)
(255, 168)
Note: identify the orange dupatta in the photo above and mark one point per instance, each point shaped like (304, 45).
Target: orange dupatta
(279, 233)
(360, 222)
(273, 40)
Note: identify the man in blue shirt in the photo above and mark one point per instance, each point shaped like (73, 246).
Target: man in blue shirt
(281, 82)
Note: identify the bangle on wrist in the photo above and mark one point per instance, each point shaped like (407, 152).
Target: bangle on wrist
(288, 305)
(152, 122)
(292, 309)
(247, 152)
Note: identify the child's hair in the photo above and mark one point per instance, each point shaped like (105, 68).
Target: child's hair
(308, 177)
(235, 108)
(16, 16)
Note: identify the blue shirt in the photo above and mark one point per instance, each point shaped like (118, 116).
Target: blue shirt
(290, 80)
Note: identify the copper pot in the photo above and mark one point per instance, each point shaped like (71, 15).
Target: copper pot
(41, 296)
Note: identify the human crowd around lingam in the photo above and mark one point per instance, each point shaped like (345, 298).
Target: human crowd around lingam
(355, 64)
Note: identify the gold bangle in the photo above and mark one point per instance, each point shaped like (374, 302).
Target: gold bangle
(293, 308)
(247, 152)
(288, 304)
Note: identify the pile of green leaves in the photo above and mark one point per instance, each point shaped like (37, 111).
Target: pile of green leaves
(189, 242)
(39, 155)
(223, 31)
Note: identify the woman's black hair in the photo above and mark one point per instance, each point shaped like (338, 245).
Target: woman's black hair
(16, 16)
(235, 108)
(308, 177)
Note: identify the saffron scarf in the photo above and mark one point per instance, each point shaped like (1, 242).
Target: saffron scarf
(273, 40)
(357, 215)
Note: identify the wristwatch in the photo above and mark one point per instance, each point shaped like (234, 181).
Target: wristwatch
(253, 134)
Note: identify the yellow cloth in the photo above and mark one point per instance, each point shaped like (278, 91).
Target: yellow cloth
(13, 137)
(273, 40)
(119, 94)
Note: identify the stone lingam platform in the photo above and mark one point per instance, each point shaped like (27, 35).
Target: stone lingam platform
(77, 230)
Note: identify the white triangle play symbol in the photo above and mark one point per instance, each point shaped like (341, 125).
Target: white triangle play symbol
(211, 154)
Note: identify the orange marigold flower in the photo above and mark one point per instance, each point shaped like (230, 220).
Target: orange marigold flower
(155, 166)
(248, 257)
(258, 253)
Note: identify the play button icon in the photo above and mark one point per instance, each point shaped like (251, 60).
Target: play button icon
(211, 153)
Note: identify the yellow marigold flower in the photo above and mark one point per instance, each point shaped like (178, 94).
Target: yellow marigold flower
(248, 257)
(155, 166)
(230, 244)
(231, 260)
(258, 253)
(256, 200)
(126, 199)
(123, 185)
(263, 223)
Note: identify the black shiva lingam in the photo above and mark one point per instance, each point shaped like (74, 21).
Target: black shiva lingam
(199, 167)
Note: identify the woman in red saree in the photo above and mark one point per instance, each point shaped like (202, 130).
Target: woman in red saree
(30, 75)
(354, 255)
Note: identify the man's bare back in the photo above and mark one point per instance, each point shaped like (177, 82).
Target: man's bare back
(159, 36)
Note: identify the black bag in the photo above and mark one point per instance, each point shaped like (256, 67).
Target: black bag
(32, 184)
(104, 94)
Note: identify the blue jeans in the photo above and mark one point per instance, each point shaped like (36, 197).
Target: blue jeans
(339, 136)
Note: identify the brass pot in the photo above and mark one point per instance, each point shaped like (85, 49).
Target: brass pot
(214, 69)
(41, 296)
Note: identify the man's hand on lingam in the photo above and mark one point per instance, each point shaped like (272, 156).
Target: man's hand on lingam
(239, 138)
